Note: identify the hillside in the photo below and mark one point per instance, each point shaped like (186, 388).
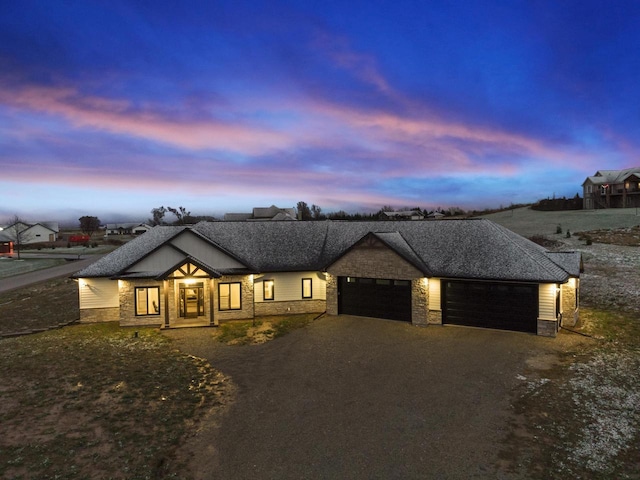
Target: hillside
(528, 223)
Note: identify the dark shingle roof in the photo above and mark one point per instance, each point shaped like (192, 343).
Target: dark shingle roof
(473, 249)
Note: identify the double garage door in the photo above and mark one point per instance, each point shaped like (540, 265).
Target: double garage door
(375, 297)
(504, 306)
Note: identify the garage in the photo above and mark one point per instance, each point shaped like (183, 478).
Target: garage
(375, 297)
(505, 306)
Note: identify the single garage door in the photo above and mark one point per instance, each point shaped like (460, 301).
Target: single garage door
(491, 305)
(375, 297)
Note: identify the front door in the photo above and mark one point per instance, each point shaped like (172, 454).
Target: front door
(191, 300)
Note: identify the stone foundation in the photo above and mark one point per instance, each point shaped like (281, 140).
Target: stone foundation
(547, 328)
(289, 307)
(434, 317)
(97, 315)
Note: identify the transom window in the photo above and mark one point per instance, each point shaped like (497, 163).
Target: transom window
(229, 295)
(147, 300)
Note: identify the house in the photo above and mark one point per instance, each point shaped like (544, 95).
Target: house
(261, 214)
(435, 214)
(463, 272)
(612, 189)
(6, 245)
(403, 215)
(126, 228)
(32, 233)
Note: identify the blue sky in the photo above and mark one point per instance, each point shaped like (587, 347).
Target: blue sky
(113, 108)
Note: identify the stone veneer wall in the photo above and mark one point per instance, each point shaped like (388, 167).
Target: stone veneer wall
(95, 315)
(419, 301)
(570, 308)
(332, 294)
(547, 328)
(289, 307)
(376, 260)
(434, 317)
(128, 303)
(246, 292)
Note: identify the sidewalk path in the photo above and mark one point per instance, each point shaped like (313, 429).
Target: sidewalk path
(18, 281)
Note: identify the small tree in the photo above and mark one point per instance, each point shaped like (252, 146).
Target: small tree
(304, 212)
(158, 216)
(316, 211)
(89, 225)
(17, 231)
(181, 214)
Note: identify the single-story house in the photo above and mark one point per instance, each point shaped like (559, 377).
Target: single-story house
(6, 245)
(126, 228)
(261, 214)
(403, 215)
(32, 232)
(612, 189)
(464, 272)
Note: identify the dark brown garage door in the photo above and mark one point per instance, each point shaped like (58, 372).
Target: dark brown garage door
(374, 297)
(491, 305)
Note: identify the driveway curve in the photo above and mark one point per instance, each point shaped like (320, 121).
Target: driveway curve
(352, 397)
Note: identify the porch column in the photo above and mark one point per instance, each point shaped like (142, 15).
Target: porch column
(213, 321)
(165, 288)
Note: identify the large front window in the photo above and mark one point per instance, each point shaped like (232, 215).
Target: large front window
(147, 300)
(229, 296)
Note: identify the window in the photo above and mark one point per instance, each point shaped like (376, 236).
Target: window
(229, 296)
(307, 288)
(147, 301)
(268, 289)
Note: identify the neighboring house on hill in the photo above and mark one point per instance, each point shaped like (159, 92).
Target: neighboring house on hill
(612, 189)
(463, 272)
(262, 214)
(403, 215)
(33, 233)
(127, 228)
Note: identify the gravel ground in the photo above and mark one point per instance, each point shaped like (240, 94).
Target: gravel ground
(351, 397)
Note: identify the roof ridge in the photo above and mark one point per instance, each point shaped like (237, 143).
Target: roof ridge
(503, 232)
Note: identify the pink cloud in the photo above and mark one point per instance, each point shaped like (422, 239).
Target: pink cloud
(119, 116)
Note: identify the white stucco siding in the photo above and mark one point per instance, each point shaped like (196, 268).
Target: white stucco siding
(204, 251)
(547, 301)
(159, 261)
(435, 302)
(98, 293)
(288, 286)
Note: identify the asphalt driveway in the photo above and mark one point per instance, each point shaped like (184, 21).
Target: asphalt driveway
(351, 397)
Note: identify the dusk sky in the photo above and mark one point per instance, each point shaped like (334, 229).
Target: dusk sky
(113, 108)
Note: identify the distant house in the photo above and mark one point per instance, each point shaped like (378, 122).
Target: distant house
(612, 189)
(435, 215)
(262, 214)
(32, 232)
(403, 215)
(458, 272)
(127, 228)
(6, 245)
